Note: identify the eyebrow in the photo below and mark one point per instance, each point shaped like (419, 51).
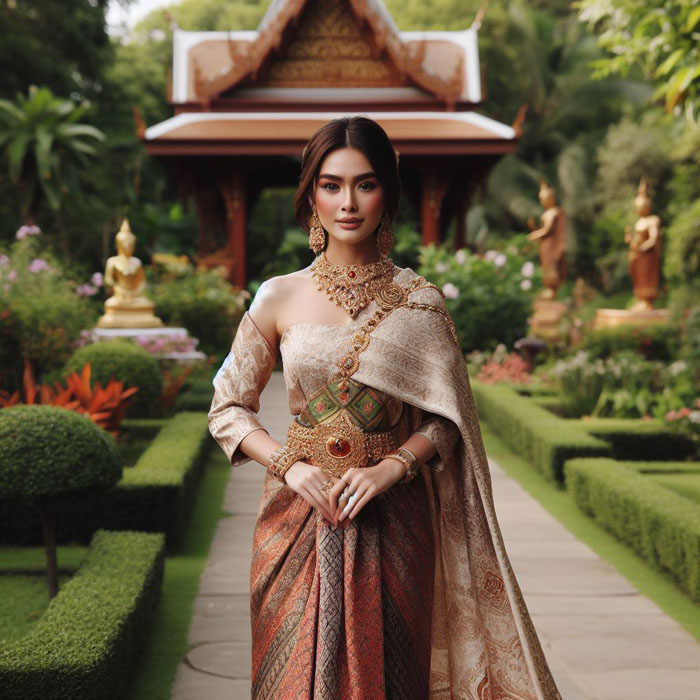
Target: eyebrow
(340, 179)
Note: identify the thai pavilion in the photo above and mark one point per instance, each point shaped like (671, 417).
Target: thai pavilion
(246, 102)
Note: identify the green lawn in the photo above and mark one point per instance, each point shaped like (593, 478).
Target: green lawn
(168, 641)
(23, 589)
(657, 586)
(24, 600)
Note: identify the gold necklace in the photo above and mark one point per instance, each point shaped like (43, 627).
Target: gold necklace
(352, 287)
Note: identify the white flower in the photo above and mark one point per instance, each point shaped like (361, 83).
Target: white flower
(97, 279)
(450, 290)
(440, 267)
(694, 416)
(525, 284)
(500, 260)
(528, 269)
(678, 367)
(461, 256)
(490, 254)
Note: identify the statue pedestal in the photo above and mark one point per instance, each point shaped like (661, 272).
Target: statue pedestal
(151, 335)
(613, 318)
(550, 320)
(126, 320)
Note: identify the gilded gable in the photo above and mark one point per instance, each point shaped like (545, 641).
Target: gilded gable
(329, 49)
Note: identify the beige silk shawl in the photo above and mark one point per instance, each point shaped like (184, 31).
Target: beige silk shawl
(484, 644)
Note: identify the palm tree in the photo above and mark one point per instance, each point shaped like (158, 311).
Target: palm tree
(43, 146)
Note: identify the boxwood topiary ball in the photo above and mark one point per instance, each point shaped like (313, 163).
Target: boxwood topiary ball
(128, 363)
(48, 451)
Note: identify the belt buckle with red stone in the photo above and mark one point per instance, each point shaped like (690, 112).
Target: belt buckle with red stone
(338, 446)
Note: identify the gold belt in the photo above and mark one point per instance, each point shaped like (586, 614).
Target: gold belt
(342, 445)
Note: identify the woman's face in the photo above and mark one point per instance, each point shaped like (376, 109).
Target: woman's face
(349, 197)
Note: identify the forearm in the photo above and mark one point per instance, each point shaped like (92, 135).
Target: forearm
(258, 445)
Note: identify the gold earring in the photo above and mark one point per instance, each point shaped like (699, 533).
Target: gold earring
(317, 236)
(385, 235)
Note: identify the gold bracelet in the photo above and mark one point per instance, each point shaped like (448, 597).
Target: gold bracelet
(409, 460)
(281, 460)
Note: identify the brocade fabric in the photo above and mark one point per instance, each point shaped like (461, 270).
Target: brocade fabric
(416, 597)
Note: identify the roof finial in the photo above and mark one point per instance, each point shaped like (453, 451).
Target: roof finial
(481, 13)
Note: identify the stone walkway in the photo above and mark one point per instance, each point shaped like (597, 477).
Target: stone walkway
(602, 638)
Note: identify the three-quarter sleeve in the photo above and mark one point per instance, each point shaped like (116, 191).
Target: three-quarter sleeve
(444, 434)
(237, 388)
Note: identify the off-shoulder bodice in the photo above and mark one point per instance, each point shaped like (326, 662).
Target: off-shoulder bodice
(310, 352)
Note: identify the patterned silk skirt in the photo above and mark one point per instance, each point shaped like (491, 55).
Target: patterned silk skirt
(342, 613)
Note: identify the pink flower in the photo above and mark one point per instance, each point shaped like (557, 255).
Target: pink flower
(499, 260)
(461, 256)
(671, 415)
(38, 265)
(450, 290)
(86, 290)
(527, 269)
(97, 279)
(4, 261)
(490, 255)
(526, 284)
(24, 231)
(685, 411)
(12, 275)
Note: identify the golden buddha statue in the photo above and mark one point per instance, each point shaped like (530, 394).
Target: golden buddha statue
(552, 240)
(127, 307)
(644, 257)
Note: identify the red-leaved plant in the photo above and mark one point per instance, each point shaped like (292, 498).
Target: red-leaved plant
(104, 406)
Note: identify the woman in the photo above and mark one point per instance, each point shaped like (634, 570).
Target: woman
(379, 570)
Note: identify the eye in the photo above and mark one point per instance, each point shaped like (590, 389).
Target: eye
(328, 185)
(370, 186)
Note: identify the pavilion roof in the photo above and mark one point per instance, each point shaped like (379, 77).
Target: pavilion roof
(209, 66)
(412, 133)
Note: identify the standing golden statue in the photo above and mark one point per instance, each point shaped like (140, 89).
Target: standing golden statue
(127, 307)
(644, 259)
(552, 240)
(644, 256)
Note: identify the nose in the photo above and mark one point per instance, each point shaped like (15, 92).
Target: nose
(349, 203)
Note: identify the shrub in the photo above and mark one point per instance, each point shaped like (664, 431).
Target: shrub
(42, 316)
(682, 262)
(203, 302)
(622, 386)
(127, 363)
(489, 298)
(89, 640)
(656, 342)
(47, 452)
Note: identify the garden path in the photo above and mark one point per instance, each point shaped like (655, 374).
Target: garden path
(602, 638)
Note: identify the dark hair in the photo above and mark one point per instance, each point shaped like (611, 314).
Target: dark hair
(361, 133)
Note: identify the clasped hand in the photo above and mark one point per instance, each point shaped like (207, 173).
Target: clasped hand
(365, 483)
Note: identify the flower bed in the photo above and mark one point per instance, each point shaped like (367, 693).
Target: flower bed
(88, 641)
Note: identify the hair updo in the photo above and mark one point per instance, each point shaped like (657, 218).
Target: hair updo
(361, 133)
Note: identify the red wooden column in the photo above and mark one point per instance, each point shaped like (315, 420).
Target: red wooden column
(233, 191)
(433, 192)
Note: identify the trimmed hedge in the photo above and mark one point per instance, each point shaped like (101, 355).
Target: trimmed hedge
(543, 439)
(634, 438)
(88, 641)
(660, 525)
(155, 495)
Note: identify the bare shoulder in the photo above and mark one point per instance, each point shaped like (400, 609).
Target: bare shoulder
(270, 300)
